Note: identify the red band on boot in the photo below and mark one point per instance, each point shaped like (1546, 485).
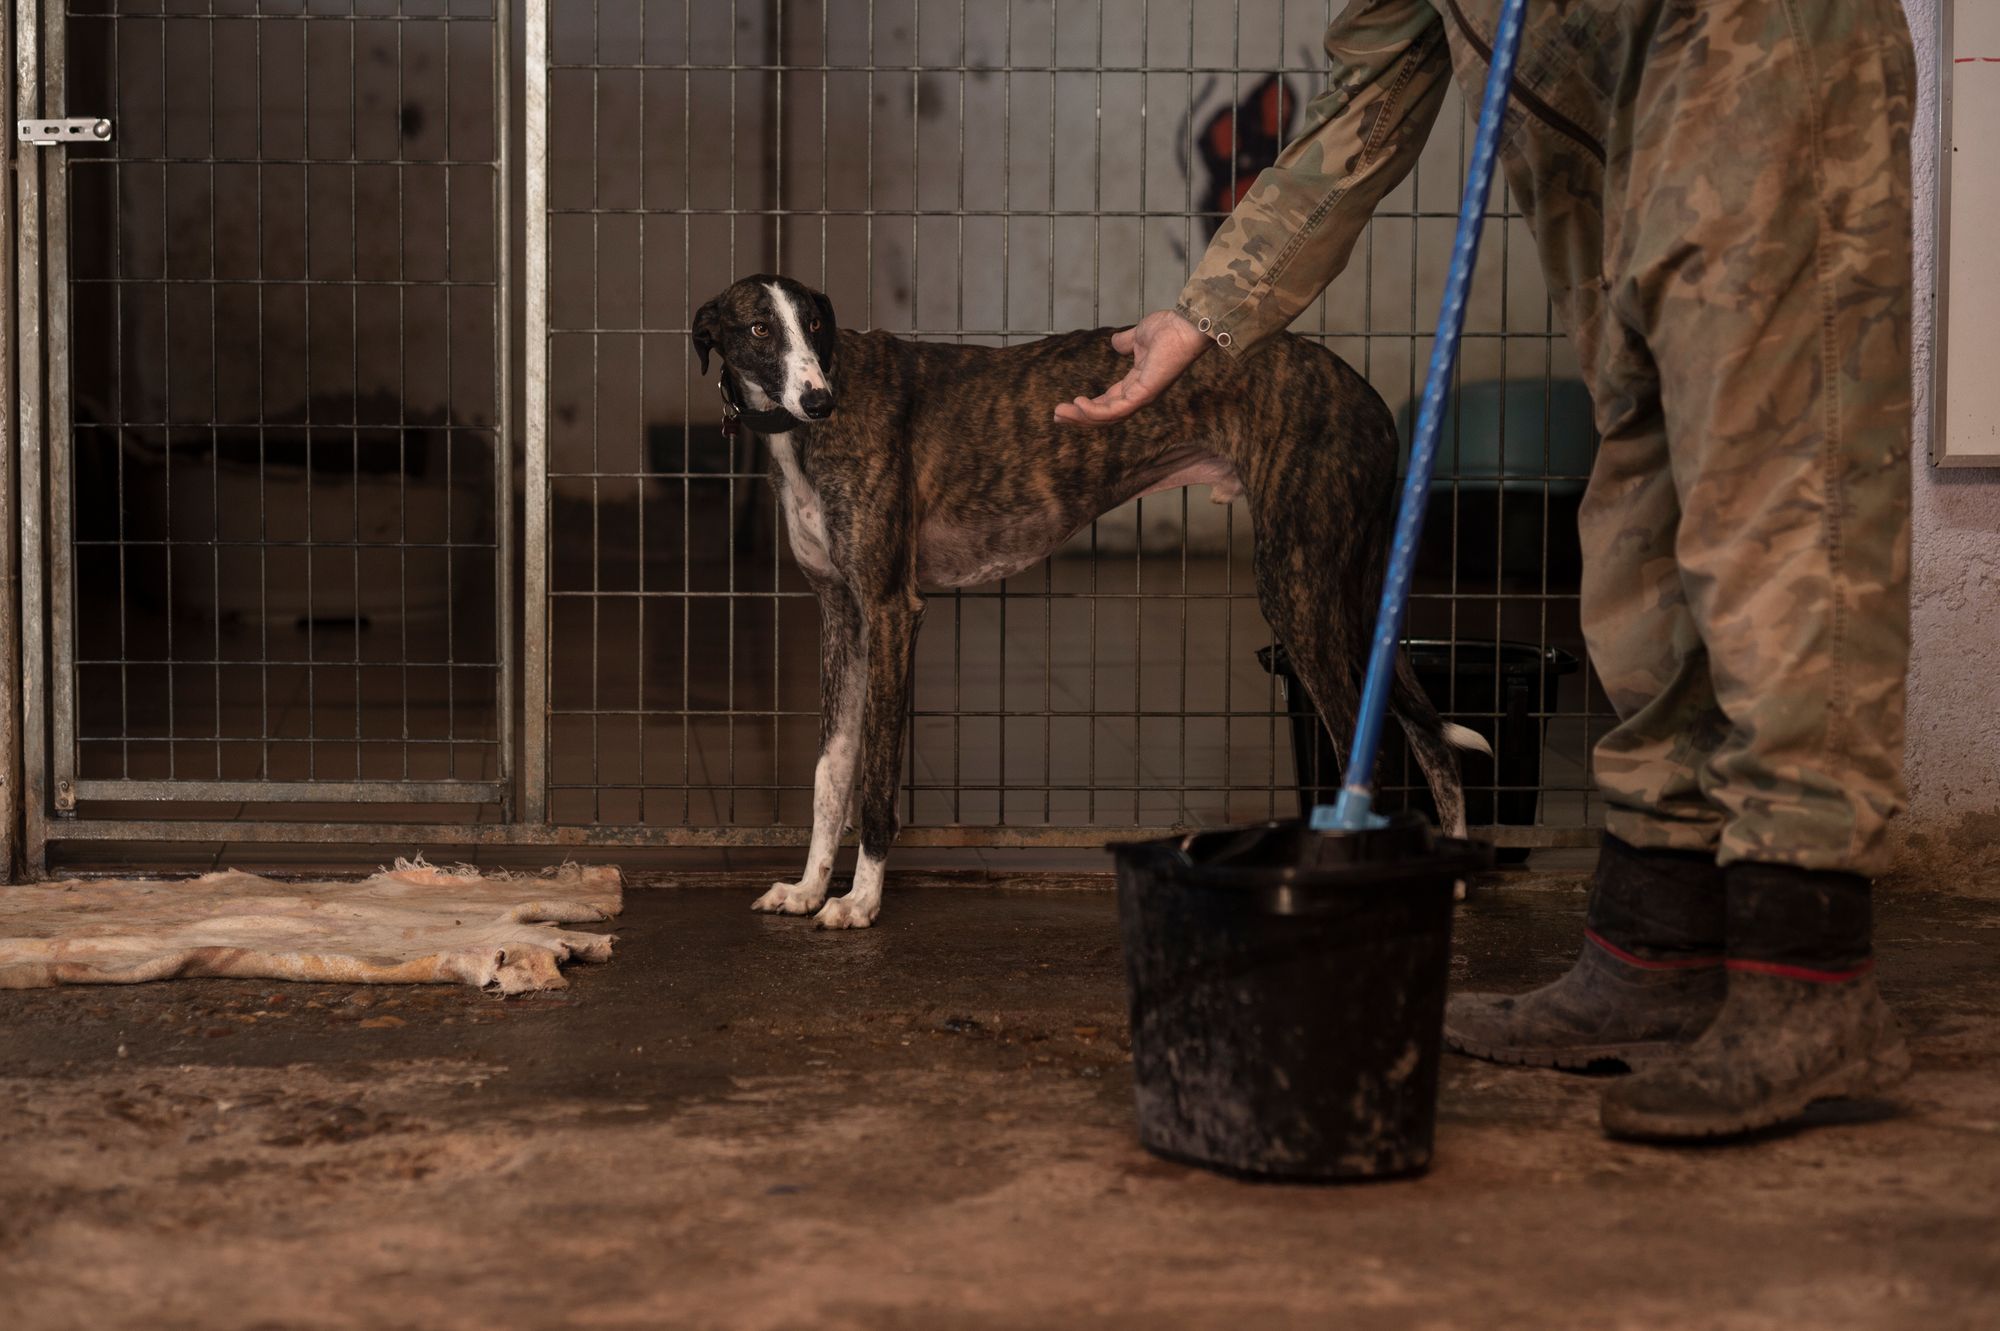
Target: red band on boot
(1806, 973)
(1643, 963)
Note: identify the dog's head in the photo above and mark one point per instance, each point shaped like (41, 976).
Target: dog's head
(777, 338)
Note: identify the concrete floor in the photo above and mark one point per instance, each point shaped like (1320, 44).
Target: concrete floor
(743, 1123)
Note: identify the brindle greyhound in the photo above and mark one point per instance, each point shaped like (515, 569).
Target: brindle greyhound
(941, 467)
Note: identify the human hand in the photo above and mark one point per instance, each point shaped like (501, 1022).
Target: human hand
(1162, 345)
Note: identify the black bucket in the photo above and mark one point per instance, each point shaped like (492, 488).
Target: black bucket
(1287, 993)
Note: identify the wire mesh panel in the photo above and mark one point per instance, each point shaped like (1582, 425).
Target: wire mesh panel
(282, 506)
(991, 173)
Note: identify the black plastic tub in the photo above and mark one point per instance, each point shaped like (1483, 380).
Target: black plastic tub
(1287, 993)
(1503, 690)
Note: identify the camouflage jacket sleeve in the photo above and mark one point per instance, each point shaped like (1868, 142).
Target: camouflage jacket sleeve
(1292, 233)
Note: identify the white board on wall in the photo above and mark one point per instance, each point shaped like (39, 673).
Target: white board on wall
(1966, 432)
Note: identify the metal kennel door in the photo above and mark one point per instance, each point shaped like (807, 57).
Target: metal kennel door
(276, 392)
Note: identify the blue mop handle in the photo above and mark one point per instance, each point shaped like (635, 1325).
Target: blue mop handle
(1354, 811)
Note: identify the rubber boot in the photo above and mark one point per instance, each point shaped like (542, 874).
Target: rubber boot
(1803, 1021)
(1648, 980)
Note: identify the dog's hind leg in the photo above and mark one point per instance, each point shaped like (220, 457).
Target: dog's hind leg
(1325, 656)
(891, 636)
(842, 687)
(1327, 647)
(1300, 602)
(1319, 576)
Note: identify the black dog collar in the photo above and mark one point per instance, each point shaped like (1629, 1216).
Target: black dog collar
(734, 414)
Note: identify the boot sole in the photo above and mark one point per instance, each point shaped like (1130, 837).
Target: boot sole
(1566, 1058)
(1871, 1075)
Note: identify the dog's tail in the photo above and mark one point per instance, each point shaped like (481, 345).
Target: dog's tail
(1464, 737)
(1433, 743)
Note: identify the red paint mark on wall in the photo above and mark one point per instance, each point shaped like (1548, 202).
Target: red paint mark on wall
(1976, 60)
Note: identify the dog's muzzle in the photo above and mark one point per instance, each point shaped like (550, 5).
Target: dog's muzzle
(816, 404)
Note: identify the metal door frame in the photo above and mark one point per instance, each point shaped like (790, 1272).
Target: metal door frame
(71, 787)
(31, 439)
(49, 786)
(11, 692)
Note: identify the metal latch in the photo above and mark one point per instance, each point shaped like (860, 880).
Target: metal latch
(75, 129)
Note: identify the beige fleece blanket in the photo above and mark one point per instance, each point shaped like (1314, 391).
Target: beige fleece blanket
(410, 924)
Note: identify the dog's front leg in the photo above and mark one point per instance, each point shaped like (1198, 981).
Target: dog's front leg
(891, 636)
(842, 687)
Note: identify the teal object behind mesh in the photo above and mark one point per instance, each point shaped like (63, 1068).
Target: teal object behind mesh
(1489, 417)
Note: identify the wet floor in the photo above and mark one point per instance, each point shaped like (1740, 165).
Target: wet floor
(740, 1122)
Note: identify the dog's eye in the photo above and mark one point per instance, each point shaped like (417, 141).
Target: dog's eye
(760, 330)
(813, 326)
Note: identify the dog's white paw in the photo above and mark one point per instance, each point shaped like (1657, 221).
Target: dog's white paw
(789, 899)
(846, 913)
(1458, 890)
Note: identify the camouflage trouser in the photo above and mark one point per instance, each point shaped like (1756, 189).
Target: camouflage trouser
(1721, 192)
(1741, 301)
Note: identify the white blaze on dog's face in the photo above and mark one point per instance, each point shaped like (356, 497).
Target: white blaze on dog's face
(778, 345)
(802, 388)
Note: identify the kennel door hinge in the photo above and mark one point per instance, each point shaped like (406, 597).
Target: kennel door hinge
(42, 133)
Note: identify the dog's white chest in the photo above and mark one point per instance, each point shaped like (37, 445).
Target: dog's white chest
(805, 520)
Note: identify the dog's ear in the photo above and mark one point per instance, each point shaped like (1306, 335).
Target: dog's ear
(707, 324)
(827, 340)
